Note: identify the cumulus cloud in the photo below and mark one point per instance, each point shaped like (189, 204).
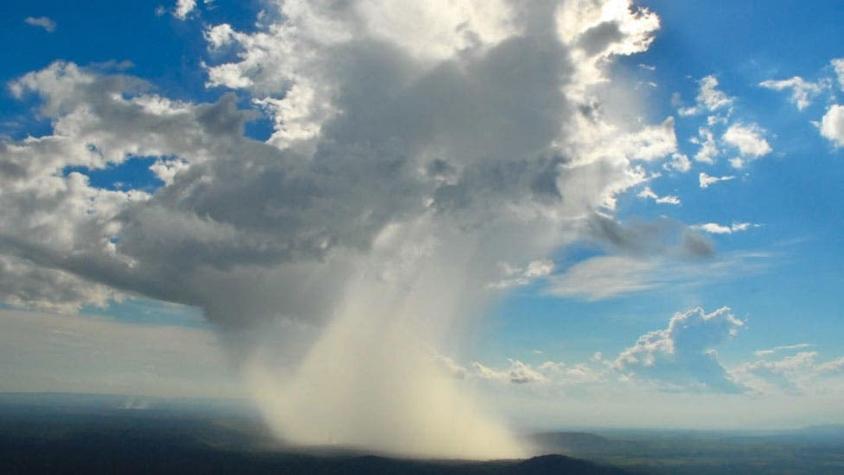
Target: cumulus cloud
(709, 98)
(802, 91)
(548, 374)
(679, 358)
(679, 162)
(683, 354)
(708, 151)
(705, 180)
(786, 374)
(41, 22)
(749, 140)
(183, 8)
(789, 368)
(832, 125)
(516, 373)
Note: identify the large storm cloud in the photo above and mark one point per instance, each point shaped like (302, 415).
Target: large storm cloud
(417, 150)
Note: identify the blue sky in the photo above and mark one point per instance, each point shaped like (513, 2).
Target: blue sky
(771, 232)
(791, 193)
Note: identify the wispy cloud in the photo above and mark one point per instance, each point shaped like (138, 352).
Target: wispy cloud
(802, 91)
(705, 180)
(777, 349)
(41, 22)
(648, 194)
(606, 277)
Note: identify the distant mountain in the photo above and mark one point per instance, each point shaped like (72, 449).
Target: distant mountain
(570, 442)
(71, 434)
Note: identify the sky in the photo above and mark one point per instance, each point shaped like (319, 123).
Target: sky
(581, 212)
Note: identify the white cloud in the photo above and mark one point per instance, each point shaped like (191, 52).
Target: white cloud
(516, 373)
(683, 354)
(802, 91)
(651, 143)
(604, 277)
(832, 368)
(679, 162)
(649, 194)
(518, 277)
(832, 125)
(778, 349)
(749, 140)
(797, 372)
(548, 373)
(183, 8)
(715, 228)
(41, 22)
(218, 36)
(705, 180)
(789, 373)
(838, 66)
(709, 98)
(708, 151)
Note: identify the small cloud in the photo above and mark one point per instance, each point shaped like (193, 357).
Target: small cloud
(708, 150)
(749, 140)
(516, 373)
(679, 162)
(838, 66)
(778, 349)
(715, 228)
(832, 125)
(648, 194)
(184, 8)
(706, 180)
(709, 98)
(41, 22)
(521, 276)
